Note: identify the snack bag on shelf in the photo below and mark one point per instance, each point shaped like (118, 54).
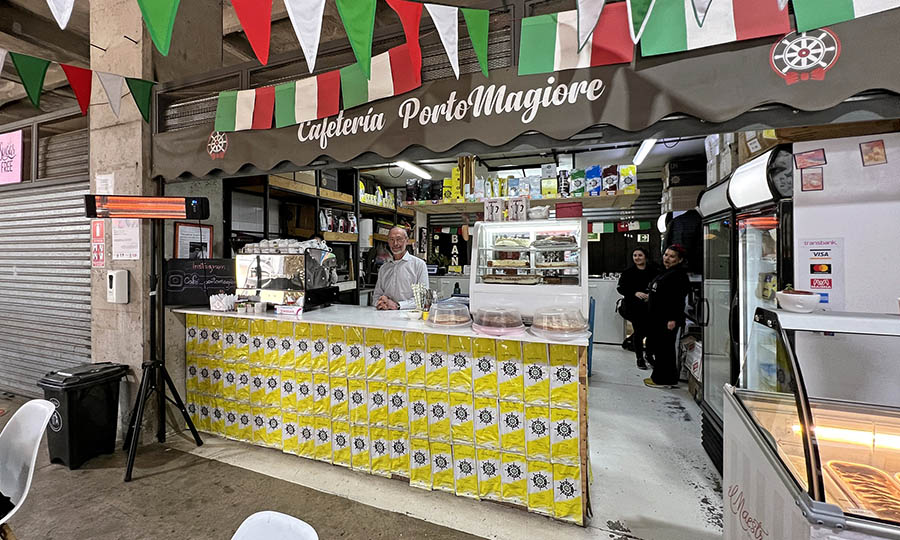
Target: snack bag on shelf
(415, 358)
(537, 374)
(578, 181)
(399, 442)
(232, 420)
(628, 178)
(270, 354)
(322, 447)
(420, 463)
(537, 432)
(378, 403)
(487, 426)
(564, 436)
(303, 348)
(594, 178)
(340, 405)
(436, 361)
(418, 412)
(375, 353)
(462, 418)
(242, 382)
(398, 409)
(306, 436)
(229, 380)
(321, 394)
(484, 369)
(192, 373)
(217, 416)
(340, 443)
(460, 368)
(438, 415)
(359, 448)
(567, 493)
(272, 387)
(489, 476)
(564, 376)
(394, 356)
(359, 401)
(442, 477)
(290, 442)
(288, 390)
(611, 179)
(356, 353)
(216, 374)
(337, 354)
(256, 348)
(304, 397)
(540, 487)
(465, 471)
(319, 336)
(245, 423)
(286, 345)
(380, 451)
(191, 333)
(514, 478)
(512, 426)
(510, 370)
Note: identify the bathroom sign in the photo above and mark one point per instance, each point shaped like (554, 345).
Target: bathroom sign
(821, 270)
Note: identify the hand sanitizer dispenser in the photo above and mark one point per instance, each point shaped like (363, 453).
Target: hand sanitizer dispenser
(117, 286)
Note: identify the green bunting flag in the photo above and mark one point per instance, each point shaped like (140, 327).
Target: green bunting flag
(159, 16)
(32, 71)
(639, 13)
(358, 17)
(477, 21)
(142, 93)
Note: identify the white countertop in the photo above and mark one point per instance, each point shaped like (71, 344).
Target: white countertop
(369, 317)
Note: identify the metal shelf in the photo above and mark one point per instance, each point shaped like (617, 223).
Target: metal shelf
(839, 322)
(619, 200)
(529, 249)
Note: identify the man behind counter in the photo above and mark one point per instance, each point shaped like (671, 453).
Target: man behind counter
(397, 276)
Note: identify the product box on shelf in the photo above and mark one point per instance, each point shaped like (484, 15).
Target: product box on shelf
(728, 161)
(628, 178)
(611, 179)
(753, 143)
(594, 180)
(711, 145)
(684, 172)
(712, 171)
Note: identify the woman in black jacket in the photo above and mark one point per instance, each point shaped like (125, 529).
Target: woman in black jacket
(668, 292)
(633, 287)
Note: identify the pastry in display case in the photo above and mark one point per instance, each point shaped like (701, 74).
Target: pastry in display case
(448, 313)
(559, 323)
(498, 321)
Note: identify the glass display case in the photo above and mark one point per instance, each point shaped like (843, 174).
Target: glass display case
(282, 279)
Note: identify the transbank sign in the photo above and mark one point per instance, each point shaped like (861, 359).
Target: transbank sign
(11, 157)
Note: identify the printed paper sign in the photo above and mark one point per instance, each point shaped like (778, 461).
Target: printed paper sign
(11, 157)
(98, 243)
(104, 184)
(822, 270)
(126, 239)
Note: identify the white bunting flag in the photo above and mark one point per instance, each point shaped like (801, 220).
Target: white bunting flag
(2, 58)
(782, 4)
(62, 10)
(112, 84)
(445, 19)
(701, 8)
(588, 15)
(306, 16)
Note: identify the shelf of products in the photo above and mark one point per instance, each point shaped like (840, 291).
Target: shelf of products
(374, 209)
(335, 196)
(384, 238)
(339, 237)
(291, 186)
(619, 200)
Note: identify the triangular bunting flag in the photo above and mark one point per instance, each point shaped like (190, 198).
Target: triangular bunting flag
(2, 57)
(112, 85)
(639, 13)
(358, 17)
(445, 19)
(61, 10)
(142, 94)
(782, 4)
(588, 15)
(32, 71)
(477, 22)
(80, 80)
(811, 14)
(701, 8)
(256, 20)
(159, 16)
(410, 14)
(306, 16)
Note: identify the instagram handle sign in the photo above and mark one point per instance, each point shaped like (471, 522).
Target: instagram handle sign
(11, 157)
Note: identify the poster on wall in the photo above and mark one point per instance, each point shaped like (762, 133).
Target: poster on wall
(192, 241)
(126, 239)
(821, 270)
(11, 157)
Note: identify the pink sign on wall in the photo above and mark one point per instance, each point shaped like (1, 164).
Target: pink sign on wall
(11, 157)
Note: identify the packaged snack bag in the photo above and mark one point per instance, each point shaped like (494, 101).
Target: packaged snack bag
(465, 471)
(288, 391)
(380, 451)
(487, 425)
(418, 412)
(256, 347)
(242, 382)
(304, 394)
(537, 374)
(484, 369)
(319, 337)
(232, 420)
(286, 345)
(399, 452)
(241, 350)
(564, 376)
(398, 409)
(537, 432)
(438, 415)
(510, 370)
(270, 354)
(229, 380)
(395, 358)
(340, 404)
(462, 418)
(378, 403)
(359, 401)
(360, 448)
(567, 493)
(306, 435)
(337, 354)
(302, 348)
(540, 487)
(245, 422)
(442, 477)
(322, 447)
(340, 443)
(191, 333)
(436, 361)
(272, 387)
(420, 463)
(290, 441)
(512, 426)
(514, 478)
(489, 475)
(460, 363)
(375, 354)
(415, 358)
(321, 395)
(356, 353)
(564, 436)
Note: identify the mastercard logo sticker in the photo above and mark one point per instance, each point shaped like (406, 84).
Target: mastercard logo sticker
(820, 268)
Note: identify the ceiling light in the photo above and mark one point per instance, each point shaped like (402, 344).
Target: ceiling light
(661, 223)
(644, 149)
(415, 169)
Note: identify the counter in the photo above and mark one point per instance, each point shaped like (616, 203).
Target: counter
(444, 409)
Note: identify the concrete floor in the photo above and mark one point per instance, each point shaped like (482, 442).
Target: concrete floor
(651, 481)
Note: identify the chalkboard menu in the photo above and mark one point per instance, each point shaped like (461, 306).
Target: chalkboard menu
(190, 282)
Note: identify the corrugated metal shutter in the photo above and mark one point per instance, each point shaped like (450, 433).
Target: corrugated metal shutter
(45, 282)
(64, 155)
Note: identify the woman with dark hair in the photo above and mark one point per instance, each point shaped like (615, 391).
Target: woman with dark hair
(668, 292)
(633, 287)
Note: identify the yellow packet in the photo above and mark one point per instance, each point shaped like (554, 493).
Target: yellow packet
(356, 353)
(245, 422)
(290, 442)
(340, 405)
(564, 376)
(438, 415)
(537, 374)
(192, 404)
(214, 348)
(394, 357)
(229, 338)
(242, 382)
(487, 426)
(241, 350)
(360, 448)
(232, 420)
(537, 432)
(418, 412)
(288, 390)
(510, 370)
(256, 348)
(420, 463)
(514, 478)
(512, 426)
(319, 337)
(286, 345)
(321, 394)
(399, 447)
(273, 427)
(259, 426)
(375, 354)
(564, 437)
(379, 451)
(216, 385)
(436, 362)
(378, 403)
(203, 375)
(192, 373)
(302, 347)
(191, 332)
(465, 470)
(540, 487)
(489, 481)
(337, 351)
(460, 363)
(462, 415)
(202, 346)
(398, 410)
(306, 436)
(340, 443)
(415, 358)
(359, 401)
(229, 380)
(484, 370)
(270, 354)
(217, 416)
(567, 493)
(272, 386)
(442, 477)
(322, 447)
(304, 394)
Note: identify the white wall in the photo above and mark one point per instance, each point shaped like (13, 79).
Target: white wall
(862, 206)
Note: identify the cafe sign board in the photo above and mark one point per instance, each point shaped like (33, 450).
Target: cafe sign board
(11, 157)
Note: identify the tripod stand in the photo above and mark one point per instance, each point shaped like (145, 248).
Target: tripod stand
(155, 377)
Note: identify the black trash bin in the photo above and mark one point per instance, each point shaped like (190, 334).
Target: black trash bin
(87, 405)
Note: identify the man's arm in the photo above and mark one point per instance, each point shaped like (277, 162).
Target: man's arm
(379, 288)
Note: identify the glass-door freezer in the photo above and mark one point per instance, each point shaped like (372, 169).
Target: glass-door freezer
(717, 368)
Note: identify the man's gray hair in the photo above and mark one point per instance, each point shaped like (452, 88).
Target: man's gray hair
(406, 234)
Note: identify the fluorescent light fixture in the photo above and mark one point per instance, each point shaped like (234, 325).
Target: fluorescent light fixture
(643, 150)
(415, 169)
(749, 183)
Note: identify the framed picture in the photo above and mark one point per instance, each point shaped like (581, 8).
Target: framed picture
(193, 241)
(873, 153)
(812, 158)
(812, 179)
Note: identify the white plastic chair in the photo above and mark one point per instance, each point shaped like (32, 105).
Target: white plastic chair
(19, 443)
(274, 526)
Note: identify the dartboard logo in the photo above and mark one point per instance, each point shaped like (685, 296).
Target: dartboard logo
(192, 333)
(242, 338)
(319, 346)
(322, 435)
(567, 489)
(259, 421)
(204, 372)
(486, 416)
(230, 417)
(245, 420)
(303, 345)
(257, 382)
(336, 349)
(286, 345)
(436, 360)
(257, 342)
(540, 481)
(379, 447)
(415, 358)
(192, 408)
(510, 369)
(485, 365)
(805, 56)
(271, 344)
(216, 375)
(217, 414)
(339, 394)
(394, 356)
(418, 408)
(378, 399)
(465, 467)
(564, 430)
(538, 427)
(340, 440)
(512, 421)
(355, 351)
(564, 375)
(192, 371)
(303, 389)
(514, 471)
(244, 379)
(419, 457)
(357, 398)
(215, 335)
(229, 339)
(460, 361)
(290, 429)
(273, 423)
(488, 469)
(288, 387)
(535, 372)
(217, 145)
(375, 353)
(461, 413)
(321, 390)
(204, 334)
(397, 401)
(306, 433)
(229, 378)
(437, 410)
(359, 444)
(272, 383)
(399, 448)
(441, 462)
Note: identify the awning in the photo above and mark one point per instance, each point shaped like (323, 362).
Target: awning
(812, 71)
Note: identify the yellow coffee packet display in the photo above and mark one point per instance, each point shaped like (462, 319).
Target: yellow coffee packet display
(306, 435)
(375, 352)
(245, 422)
(537, 432)
(564, 376)
(256, 347)
(359, 401)
(272, 387)
(356, 353)
(436, 361)
(360, 448)
(214, 348)
(460, 363)
(270, 346)
(202, 346)
(322, 447)
(465, 470)
(489, 476)
(398, 408)
(229, 380)
(484, 369)
(319, 337)
(192, 373)
(438, 415)
(257, 386)
(217, 416)
(241, 350)
(203, 374)
(290, 442)
(340, 404)
(510, 370)
(259, 426)
(191, 333)
(512, 426)
(232, 420)
(242, 382)
(462, 418)
(229, 338)
(302, 347)
(514, 478)
(442, 477)
(380, 451)
(273, 427)
(420, 463)
(418, 413)
(394, 357)
(378, 403)
(399, 446)
(286, 345)
(415, 358)
(564, 436)
(216, 385)
(487, 422)
(337, 353)
(537, 373)
(540, 487)
(340, 443)
(192, 404)
(288, 390)
(321, 394)
(304, 392)
(567, 494)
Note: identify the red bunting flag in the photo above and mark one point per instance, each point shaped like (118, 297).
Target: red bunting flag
(256, 20)
(410, 14)
(80, 80)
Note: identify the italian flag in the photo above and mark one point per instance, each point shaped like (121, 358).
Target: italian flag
(307, 99)
(392, 74)
(550, 42)
(812, 14)
(245, 109)
(673, 27)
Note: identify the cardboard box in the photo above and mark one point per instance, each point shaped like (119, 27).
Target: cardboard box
(683, 198)
(728, 161)
(684, 172)
(712, 171)
(753, 143)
